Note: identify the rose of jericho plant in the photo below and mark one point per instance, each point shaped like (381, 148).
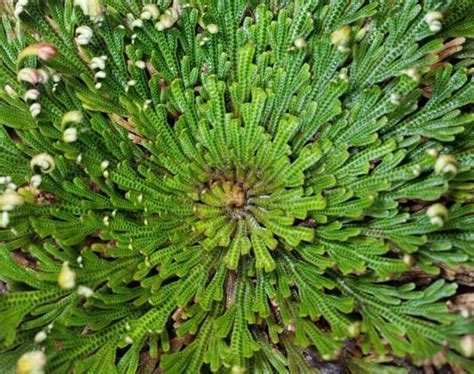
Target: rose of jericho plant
(234, 186)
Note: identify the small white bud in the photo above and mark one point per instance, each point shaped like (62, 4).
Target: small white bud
(35, 109)
(212, 28)
(40, 337)
(140, 64)
(131, 82)
(4, 220)
(100, 75)
(128, 340)
(300, 43)
(467, 345)
(104, 164)
(85, 291)
(97, 63)
(106, 220)
(98, 86)
(29, 75)
(44, 162)
(433, 152)
(150, 11)
(433, 16)
(36, 180)
(10, 91)
(67, 277)
(32, 94)
(137, 23)
(73, 116)
(31, 363)
(70, 135)
(85, 31)
(446, 164)
(438, 214)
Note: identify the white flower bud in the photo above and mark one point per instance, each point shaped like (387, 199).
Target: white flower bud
(467, 345)
(43, 162)
(31, 363)
(29, 75)
(4, 219)
(100, 75)
(438, 214)
(36, 180)
(10, 91)
(73, 116)
(300, 43)
(138, 23)
(85, 31)
(150, 11)
(97, 63)
(40, 337)
(85, 291)
(212, 28)
(35, 110)
(67, 277)
(70, 135)
(44, 51)
(446, 164)
(89, 7)
(98, 86)
(32, 94)
(140, 64)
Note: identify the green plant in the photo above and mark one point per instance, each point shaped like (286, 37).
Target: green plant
(233, 185)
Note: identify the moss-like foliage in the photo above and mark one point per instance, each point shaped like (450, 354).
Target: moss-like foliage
(230, 186)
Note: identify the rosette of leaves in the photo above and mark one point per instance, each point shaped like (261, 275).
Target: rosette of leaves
(234, 185)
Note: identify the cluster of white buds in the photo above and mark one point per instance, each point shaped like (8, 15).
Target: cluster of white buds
(341, 38)
(9, 200)
(433, 20)
(91, 8)
(20, 7)
(43, 51)
(43, 162)
(67, 277)
(33, 76)
(167, 19)
(103, 166)
(73, 118)
(98, 63)
(438, 214)
(150, 12)
(84, 35)
(446, 164)
(31, 363)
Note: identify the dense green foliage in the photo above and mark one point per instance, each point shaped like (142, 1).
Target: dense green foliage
(234, 185)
